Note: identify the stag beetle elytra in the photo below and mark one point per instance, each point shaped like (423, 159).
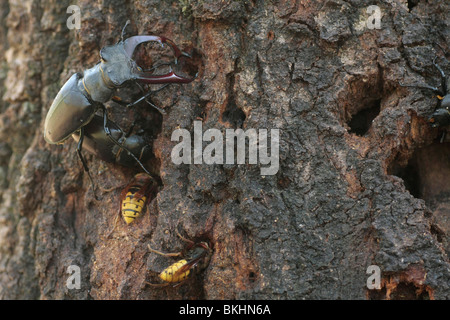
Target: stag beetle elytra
(73, 112)
(441, 115)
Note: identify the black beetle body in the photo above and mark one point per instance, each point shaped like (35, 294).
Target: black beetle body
(97, 142)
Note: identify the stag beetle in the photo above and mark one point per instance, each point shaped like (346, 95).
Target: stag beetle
(73, 112)
(441, 116)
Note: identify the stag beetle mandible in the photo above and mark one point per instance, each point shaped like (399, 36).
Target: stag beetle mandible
(73, 110)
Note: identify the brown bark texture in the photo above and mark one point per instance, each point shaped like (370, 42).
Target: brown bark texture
(363, 179)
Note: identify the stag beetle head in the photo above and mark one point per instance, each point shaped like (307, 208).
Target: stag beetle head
(116, 66)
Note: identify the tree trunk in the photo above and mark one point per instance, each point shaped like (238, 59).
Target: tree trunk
(362, 179)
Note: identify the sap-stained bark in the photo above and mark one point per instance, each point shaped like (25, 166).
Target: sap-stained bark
(361, 179)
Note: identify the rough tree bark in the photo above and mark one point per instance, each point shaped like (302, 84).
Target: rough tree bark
(362, 180)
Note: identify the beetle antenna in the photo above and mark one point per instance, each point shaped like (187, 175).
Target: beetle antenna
(123, 29)
(93, 185)
(443, 77)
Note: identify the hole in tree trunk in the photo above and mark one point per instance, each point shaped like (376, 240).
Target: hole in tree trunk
(427, 174)
(412, 4)
(360, 122)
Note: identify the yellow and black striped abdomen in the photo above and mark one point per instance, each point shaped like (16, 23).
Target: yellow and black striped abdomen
(132, 207)
(170, 273)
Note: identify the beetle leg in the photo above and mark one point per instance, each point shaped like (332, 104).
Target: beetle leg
(443, 77)
(108, 133)
(146, 95)
(422, 86)
(83, 161)
(443, 137)
(161, 110)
